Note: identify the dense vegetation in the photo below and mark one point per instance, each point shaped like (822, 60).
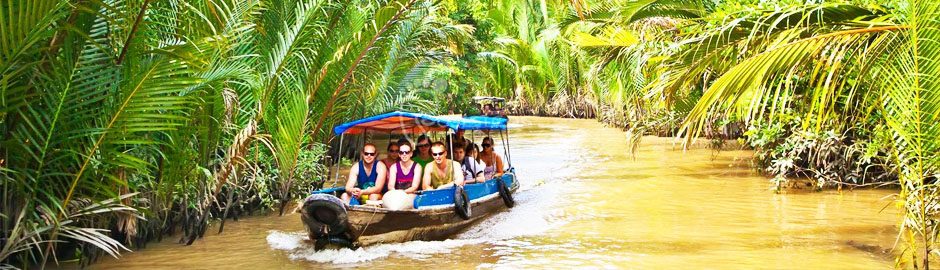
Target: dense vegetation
(150, 117)
(842, 92)
(124, 121)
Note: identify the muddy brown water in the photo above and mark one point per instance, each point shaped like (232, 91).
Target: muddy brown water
(585, 202)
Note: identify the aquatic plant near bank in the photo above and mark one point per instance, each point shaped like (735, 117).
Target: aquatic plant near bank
(854, 158)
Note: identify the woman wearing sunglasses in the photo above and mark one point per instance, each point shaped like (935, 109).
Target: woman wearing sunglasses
(443, 172)
(391, 157)
(494, 164)
(423, 148)
(406, 174)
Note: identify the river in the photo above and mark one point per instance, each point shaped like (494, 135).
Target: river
(585, 201)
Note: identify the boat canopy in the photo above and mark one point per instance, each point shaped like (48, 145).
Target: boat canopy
(408, 122)
(476, 122)
(491, 99)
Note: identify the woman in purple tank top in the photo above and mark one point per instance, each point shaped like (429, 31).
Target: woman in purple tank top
(406, 173)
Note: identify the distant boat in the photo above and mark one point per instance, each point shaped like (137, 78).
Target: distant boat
(437, 214)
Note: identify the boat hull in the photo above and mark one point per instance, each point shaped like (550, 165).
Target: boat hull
(370, 225)
(433, 219)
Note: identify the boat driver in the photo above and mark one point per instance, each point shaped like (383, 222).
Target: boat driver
(366, 180)
(442, 172)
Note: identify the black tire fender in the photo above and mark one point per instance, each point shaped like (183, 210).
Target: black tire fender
(505, 193)
(462, 203)
(324, 210)
(339, 241)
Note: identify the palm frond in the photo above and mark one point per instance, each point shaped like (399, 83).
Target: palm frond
(748, 83)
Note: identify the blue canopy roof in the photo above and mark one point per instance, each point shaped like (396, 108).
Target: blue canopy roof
(408, 122)
(475, 122)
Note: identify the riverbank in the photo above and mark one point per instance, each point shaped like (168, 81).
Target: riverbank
(795, 159)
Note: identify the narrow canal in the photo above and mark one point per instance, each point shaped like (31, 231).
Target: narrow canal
(586, 202)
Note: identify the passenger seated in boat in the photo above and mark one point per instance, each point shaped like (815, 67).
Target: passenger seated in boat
(366, 180)
(443, 172)
(488, 110)
(455, 139)
(472, 169)
(473, 150)
(391, 157)
(406, 174)
(423, 148)
(494, 164)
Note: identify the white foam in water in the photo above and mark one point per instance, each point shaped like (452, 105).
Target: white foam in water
(532, 215)
(529, 217)
(285, 241)
(300, 250)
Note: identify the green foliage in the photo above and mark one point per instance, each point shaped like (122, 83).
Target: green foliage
(838, 91)
(856, 157)
(186, 112)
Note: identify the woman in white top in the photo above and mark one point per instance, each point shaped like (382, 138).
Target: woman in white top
(472, 169)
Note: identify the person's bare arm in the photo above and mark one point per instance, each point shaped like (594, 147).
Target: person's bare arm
(418, 181)
(426, 179)
(458, 173)
(351, 181)
(392, 178)
(499, 165)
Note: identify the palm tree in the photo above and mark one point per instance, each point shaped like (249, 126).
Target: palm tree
(836, 63)
(119, 110)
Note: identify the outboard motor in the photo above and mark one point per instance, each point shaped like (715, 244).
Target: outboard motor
(326, 221)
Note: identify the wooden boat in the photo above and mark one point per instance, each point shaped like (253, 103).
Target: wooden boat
(437, 214)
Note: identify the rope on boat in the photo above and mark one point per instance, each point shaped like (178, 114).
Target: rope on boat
(376, 210)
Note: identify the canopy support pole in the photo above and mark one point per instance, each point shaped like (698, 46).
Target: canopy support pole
(451, 141)
(505, 138)
(339, 158)
(508, 152)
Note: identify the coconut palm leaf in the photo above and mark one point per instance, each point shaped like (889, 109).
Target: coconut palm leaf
(749, 82)
(909, 86)
(384, 18)
(288, 135)
(715, 51)
(23, 26)
(849, 73)
(627, 12)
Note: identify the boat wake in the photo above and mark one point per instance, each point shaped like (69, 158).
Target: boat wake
(532, 215)
(300, 249)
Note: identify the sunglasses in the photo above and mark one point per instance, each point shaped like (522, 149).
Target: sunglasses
(423, 145)
(368, 154)
(437, 154)
(404, 152)
(486, 145)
